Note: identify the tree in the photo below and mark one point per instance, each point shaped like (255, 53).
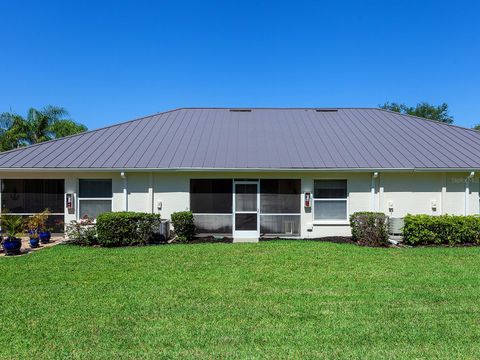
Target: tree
(423, 109)
(476, 127)
(40, 125)
(9, 136)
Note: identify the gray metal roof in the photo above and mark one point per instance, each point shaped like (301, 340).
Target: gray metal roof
(260, 139)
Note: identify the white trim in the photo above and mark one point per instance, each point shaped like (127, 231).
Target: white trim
(281, 214)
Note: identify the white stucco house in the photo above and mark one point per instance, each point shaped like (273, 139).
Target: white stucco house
(254, 172)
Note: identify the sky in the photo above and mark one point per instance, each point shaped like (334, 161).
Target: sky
(113, 61)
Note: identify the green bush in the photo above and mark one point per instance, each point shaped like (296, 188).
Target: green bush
(369, 228)
(126, 228)
(443, 229)
(183, 225)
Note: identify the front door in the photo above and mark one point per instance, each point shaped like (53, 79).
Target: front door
(245, 204)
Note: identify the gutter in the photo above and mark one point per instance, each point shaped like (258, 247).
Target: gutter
(246, 170)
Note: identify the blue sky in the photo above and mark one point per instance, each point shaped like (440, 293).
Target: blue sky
(110, 61)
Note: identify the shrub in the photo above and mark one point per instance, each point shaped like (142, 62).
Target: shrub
(82, 232)
(369, 228)
(443, 229)
(37, 223)
(127, 228)
(183, 225)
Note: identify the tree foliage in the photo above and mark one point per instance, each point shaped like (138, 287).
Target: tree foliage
(49, 123)
(423, 109)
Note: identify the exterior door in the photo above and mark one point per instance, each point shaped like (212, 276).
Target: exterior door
(246, 198)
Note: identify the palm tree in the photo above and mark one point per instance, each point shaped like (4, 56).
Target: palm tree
(40, 125)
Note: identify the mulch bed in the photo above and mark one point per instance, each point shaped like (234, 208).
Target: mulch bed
(332, 239)
(210, 239)
(27, 249)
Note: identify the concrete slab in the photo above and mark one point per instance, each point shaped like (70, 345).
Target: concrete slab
(245, 240)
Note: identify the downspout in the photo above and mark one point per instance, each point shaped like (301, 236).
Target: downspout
(125, 190)
(467, 190)
(372, 192)
(151, 194)
(443, 195)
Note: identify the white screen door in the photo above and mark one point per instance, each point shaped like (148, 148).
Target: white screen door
(246, 198)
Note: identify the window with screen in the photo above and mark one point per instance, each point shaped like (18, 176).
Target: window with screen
(330, 201)
(211, 203)
(280, 204)
(94, 197)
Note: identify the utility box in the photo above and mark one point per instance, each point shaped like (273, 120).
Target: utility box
(395, 229)
(163, 232)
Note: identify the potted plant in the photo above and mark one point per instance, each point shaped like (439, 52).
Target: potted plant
(34, 240)
(32, 226)
(12, 225)
(43, 233)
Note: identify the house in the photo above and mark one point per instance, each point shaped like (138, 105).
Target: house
(252, 172)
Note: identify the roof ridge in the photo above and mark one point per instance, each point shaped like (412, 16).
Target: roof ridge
(88, 131)
(274, 108)
(429, 120)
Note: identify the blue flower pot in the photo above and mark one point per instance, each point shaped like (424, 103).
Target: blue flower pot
(34, 242)
(12, 245)
(45, 237)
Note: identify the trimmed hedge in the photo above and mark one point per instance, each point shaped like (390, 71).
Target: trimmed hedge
(127, 228)
(369, 228)
(183, 225)
(441, 230)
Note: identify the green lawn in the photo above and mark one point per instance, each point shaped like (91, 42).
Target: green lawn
(278, 299)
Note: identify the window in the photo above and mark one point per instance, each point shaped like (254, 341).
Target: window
(280, 207)
(94, 197)
(211, 205)
(330, 201)
(280, 196)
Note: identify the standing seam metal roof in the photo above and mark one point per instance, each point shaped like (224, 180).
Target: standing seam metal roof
(260, 138)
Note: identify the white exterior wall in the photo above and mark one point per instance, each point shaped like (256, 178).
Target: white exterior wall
(407, 192)
(410, 193)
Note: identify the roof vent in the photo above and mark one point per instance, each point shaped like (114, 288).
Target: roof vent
(241, 110)
(326, 110)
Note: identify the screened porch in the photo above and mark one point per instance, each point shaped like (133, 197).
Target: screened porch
(246, 207)
(26, 197)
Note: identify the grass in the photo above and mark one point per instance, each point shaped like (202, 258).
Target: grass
(278, 299)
